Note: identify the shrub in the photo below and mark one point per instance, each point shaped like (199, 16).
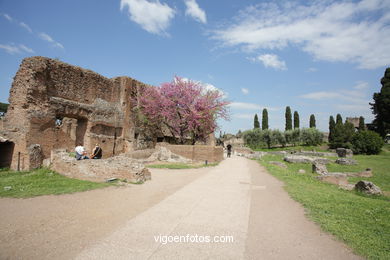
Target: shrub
(311, 136)
(367, 142)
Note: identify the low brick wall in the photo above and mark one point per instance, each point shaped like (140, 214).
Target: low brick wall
(197, 152)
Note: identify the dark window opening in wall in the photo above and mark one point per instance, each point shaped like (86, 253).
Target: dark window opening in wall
(160, 139)
(6, 151)
(80, 130)
(136, 136)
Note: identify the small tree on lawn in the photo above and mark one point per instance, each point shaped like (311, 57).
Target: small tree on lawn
(362, 125)
(256, 123)
(288, 118)
(264, 120)
(312, 121)
(184, 107)
(381, 106)
(332, 125)
(296, 120)
(339, 119)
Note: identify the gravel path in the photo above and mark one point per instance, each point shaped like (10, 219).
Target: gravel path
(236, 200)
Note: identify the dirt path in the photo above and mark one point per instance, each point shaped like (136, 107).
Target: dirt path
(236, 199)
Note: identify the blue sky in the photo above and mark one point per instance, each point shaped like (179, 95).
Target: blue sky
(318, 57)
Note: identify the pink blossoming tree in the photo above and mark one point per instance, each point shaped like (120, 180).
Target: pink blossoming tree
(186, 108)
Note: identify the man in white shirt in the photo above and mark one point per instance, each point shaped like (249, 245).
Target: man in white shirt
(80, 152)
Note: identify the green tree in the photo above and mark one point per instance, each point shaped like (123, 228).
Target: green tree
(3, 107)
(288, 118)
(312, 121)
(296, 120)
(332, 125)
(362, 125)
(381, 106)
(256, 123)
(264, 121)
(367, 142)
(339, 119)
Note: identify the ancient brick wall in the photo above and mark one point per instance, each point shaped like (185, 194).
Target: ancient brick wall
(197, 152)
(91, 109)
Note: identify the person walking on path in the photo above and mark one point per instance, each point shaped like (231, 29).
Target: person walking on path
(229, 150)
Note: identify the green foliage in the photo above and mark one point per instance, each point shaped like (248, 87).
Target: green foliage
(381, 106)
(332, 125)
(296, 120)
(312, 121)
(264, 121)
(360, 221)
(367, 142)
(3, 107)
(41, 182)
(257, 139)
(256, 123)
(288, 119)
(339, 119)
(342, 135)
(311, 136)
(362, 125)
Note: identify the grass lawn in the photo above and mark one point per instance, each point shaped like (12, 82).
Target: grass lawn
(40, 182)
(361, 221)
(179, 166)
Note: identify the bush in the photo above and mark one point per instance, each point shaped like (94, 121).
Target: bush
(311, 136)
(367, 142)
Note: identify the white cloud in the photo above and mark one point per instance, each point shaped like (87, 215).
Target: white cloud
(346, 31)
(26, 49)
(48, 38)
(6, 16)
(245, 91)
(322, 95)
(153, 17)
(195, 11)
(15, 49)
(245, 106)
(271, 61)
(11, 49)
(25, 26)
(312, 70)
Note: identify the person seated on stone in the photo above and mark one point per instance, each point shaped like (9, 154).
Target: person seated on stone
(97, 152)
(81, 154)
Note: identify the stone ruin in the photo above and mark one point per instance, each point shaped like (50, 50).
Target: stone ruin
(55, 106)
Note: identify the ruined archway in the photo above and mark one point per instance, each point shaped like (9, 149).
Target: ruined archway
(6, 151)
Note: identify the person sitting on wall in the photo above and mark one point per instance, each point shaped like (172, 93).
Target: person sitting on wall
(81, 154)
(97, 152)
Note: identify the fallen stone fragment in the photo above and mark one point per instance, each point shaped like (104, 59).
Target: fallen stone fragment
(301, 171)
(8, 188)
(334, 178)
(319, 168)
(342, 152)
(368, 188)
(305, 159)
(280, 164)
(346, 161)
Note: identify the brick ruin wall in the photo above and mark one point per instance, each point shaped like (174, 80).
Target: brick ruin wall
(197, 152)
(93, 109)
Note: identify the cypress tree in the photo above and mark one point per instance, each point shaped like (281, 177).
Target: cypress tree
(332, 125)
(339, 119)
(296, 120)
(312, 121)
(264, 121)
(288, 118)
(256, 123)
(362, 125)
(381, 106)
